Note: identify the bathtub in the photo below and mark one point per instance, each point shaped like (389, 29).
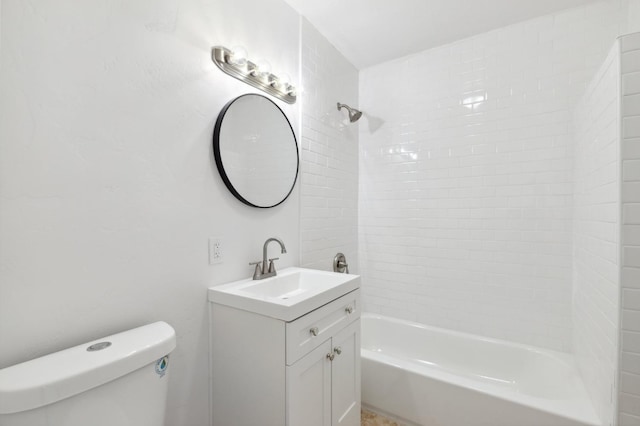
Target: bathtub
(434, 377)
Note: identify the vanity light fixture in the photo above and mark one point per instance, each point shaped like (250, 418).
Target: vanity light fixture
(235, 64)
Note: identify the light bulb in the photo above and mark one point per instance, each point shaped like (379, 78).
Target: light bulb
(282, 82)
(238, 56)
(262, 70)
(285, 80)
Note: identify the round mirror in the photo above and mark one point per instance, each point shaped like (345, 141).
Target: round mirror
(256, 151)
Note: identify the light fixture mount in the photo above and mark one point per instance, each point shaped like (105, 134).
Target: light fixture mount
(249, 73)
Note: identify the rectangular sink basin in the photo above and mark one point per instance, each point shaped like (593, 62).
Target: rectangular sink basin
(287, 296)
(288, 285)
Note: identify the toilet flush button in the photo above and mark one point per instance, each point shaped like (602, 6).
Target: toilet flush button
(98, 346)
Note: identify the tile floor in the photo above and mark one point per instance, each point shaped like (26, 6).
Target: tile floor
(372, 419)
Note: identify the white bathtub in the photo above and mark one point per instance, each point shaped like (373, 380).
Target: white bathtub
(429, 376)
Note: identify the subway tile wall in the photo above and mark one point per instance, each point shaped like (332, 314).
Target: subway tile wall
(466, 174)
(329, 165)
(596, 235)
(629, 384)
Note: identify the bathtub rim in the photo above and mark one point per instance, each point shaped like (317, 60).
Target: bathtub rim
(565, 356)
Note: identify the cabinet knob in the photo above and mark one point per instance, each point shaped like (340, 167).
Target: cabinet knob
(337, 350)
(331, 356)
(314, 331)
(349, 309)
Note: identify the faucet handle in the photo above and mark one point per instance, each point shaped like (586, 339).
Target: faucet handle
(258, 271)
(272, 266)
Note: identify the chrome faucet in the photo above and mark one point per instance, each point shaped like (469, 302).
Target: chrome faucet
(262, 270)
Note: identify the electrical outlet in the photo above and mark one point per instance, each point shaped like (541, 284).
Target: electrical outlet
(215, 250)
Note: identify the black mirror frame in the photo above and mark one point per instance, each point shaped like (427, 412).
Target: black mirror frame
(218, 157)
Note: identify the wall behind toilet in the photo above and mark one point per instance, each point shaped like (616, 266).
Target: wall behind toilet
(108, 191)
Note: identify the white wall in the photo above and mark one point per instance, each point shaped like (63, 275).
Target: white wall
(107, 185)
(629, 385)
(596, 227)
(466, 177)
(329, 181)
(633, 17)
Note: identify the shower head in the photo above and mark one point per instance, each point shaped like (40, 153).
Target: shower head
(354, 114)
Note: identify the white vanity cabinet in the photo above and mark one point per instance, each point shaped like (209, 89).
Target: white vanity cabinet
(304, 372)
(323, 385)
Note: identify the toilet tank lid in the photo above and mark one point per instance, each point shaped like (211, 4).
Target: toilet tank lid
(62, 374)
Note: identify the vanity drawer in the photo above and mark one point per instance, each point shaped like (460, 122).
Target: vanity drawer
(310, 330)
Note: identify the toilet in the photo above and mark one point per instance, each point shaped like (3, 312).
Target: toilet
(117, 380)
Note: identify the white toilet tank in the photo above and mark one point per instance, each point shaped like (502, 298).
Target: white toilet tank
(119, 380)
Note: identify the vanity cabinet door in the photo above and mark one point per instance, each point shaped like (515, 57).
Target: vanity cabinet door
(309, 389)
(345, 376)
